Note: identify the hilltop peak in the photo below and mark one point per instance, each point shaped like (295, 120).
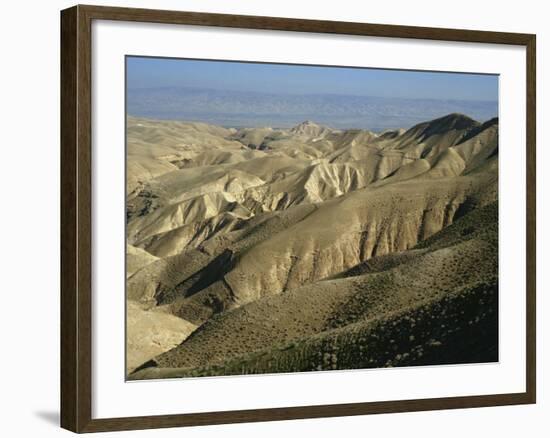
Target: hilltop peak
(457, 118)
(305, 123)
(310, 128)
(450, 122)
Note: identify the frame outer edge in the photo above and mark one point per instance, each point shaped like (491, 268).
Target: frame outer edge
(68, 345)
(76, 220)
(84, 217)
(76, 187)
(531, 250)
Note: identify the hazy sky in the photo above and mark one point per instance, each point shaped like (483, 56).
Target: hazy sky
(292, 79)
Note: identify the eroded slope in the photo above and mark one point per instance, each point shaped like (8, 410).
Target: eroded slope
(276, 242)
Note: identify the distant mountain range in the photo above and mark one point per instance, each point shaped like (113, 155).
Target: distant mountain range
(254, 109)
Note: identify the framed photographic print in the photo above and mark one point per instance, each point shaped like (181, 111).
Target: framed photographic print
(269, 218)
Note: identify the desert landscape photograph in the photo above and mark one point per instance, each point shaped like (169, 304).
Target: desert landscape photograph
(293, 218)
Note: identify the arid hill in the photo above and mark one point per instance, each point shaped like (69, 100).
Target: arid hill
(279, 250)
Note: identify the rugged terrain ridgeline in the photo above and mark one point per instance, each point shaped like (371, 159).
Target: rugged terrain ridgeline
(279, 250)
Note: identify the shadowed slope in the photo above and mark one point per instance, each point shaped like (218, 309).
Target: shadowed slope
(447, 271)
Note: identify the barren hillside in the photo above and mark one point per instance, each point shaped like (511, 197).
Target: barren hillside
(279, 250)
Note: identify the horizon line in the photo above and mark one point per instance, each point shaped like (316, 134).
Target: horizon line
(168, 87)
(373, 130)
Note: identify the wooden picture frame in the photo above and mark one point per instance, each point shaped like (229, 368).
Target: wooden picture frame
(76, 218)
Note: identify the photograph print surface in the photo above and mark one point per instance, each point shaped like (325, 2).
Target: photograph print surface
(290, 218)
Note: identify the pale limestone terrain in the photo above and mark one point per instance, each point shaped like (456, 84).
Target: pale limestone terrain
(265, 250)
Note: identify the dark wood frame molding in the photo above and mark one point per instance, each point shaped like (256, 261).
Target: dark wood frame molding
(76, 220)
